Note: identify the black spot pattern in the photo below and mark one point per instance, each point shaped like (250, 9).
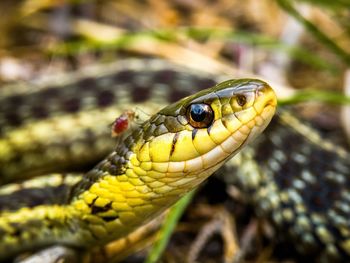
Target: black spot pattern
(125, 76)
(140, 93)
(165, 76)
(15, 101)
(13, 119)
(71, 105)
(98, 209)
(321, 192)
(205, 83)
(175, 95)
(105, 98)
(321, 195)
(87, 84)
(39, 112)
(312, 183)
(31, 197)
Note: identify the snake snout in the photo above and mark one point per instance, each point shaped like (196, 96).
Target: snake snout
(265, 97)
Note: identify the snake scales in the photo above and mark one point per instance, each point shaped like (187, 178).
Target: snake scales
(151, 167)
(293, 176)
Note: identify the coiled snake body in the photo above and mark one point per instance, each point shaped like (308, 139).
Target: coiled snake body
(151, 167)
(292, 175)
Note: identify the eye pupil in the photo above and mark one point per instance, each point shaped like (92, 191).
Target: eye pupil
(241, 100)
(198, 112)
(200, 115)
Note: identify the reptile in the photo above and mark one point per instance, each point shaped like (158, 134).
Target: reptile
(293, 175)
(150, 168)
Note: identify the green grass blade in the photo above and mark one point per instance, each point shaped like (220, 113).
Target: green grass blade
(316, 95)
(223, 34)
(313, 29)
(168, 227)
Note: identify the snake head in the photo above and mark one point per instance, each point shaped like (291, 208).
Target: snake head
(197, 134)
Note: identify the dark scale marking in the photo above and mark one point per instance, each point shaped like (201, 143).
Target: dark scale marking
(129, 140)
(140, 94)
(15, 100)
(264, 149)
(194, 132)
(165, 76)
(173, 144)
(47, 97)
(31, 197)
(125, 76)
(71, 105)
(105, 98)
(289, 170)
(321, 160)
(175, 95)
(97, 209)
(205, 83)
(321, 196)
(115, 164)
(87, 181)
(50, 93)
(39, 111)
(113, 169)
(17, 233)
(93, 202)
(87, 84)
(286, 174)
(13, 119)
(109, 218)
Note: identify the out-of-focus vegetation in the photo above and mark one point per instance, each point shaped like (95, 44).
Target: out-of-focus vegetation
(43, 31)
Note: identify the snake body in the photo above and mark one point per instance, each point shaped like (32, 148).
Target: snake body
(292, 175)
(300, 181)
(151, 167)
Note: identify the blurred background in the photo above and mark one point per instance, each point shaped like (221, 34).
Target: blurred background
(299, 45)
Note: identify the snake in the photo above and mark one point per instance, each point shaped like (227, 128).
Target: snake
(293, 175)
(150, 168)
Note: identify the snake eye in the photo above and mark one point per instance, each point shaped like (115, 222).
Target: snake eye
(241, 100)
(200, 115)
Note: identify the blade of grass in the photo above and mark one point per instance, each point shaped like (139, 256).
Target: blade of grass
(334, 4)
(323, 38)
(316, 95)
(259, 40)
(168, 228)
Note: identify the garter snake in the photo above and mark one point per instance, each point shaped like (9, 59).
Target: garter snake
(293, 175)
(151, 167)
